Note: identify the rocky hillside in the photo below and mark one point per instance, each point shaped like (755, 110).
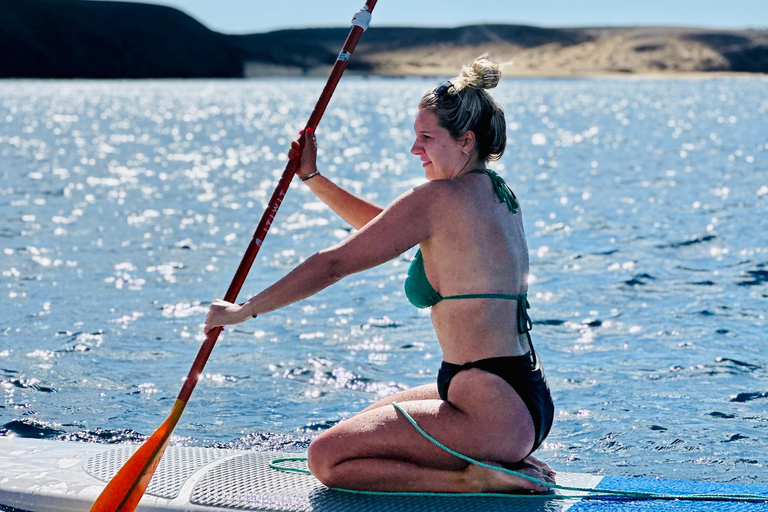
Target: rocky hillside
(83, 39)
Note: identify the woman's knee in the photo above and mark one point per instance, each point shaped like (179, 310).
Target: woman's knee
(321, 460)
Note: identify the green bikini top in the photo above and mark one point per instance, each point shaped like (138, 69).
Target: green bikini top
(421, 293)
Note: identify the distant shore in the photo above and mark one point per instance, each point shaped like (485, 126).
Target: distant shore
(97, 39)
(258, 70)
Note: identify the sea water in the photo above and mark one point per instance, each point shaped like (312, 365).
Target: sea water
(126, 207)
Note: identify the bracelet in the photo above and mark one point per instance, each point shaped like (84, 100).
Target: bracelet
(244, 304)
(310, 176)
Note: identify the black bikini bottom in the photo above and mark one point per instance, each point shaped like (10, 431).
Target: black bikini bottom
(526, 377)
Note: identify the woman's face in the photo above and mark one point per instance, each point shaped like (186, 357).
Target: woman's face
(441, 155)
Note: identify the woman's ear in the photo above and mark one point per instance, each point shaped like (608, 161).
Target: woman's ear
(467, 142)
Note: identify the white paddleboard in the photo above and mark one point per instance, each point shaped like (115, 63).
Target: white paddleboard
(54, 476)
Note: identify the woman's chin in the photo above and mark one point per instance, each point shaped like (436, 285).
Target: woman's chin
(429, 172)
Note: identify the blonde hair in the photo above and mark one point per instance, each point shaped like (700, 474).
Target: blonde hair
(463, 105)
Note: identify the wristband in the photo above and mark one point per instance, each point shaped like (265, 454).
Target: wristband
(310, 176)
(245, 304)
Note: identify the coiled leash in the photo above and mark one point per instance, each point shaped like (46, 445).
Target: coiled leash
(590, 493)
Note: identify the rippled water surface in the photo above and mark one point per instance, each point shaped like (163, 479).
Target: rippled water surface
(126, 207)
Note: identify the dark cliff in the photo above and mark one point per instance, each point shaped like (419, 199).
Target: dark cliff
(84, 39)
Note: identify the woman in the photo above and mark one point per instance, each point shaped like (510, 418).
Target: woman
(491, 401)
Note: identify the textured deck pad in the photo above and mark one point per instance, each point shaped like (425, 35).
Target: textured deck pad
(176, 466)
(247, 482)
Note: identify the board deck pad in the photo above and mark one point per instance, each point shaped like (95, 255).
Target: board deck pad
(54, 476)
(176, 466)
(245, 481)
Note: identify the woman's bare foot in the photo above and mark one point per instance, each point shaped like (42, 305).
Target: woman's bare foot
(543, 465)
(490, 480)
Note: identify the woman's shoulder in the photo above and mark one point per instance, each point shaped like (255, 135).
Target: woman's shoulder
(439, 191)
(437, 200)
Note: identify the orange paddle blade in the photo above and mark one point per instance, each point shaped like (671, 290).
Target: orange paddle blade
(126, 488)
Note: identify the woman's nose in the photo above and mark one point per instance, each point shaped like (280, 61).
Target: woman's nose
(416, 148)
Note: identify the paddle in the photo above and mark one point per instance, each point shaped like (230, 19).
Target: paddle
(127, 487)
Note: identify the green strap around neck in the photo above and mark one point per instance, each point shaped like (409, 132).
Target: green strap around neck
(501, 189)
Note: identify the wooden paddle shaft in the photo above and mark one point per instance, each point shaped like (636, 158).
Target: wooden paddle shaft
(274, 203)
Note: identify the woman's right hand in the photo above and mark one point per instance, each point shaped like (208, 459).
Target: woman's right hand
(308, 155)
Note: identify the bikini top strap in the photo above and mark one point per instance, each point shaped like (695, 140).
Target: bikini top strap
(501, 189)
(524, 322)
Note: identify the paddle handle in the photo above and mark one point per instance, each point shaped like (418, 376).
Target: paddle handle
(274, 203)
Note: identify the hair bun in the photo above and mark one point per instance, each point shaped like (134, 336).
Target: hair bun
(482, 74)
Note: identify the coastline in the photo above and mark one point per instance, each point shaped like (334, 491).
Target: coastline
(258, 70)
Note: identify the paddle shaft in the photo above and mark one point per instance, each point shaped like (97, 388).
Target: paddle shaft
(274, 203)
(126, 488)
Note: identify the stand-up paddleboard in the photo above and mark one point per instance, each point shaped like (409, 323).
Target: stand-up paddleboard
(54, 476)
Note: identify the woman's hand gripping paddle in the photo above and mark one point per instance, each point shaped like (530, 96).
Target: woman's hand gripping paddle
(127, 487)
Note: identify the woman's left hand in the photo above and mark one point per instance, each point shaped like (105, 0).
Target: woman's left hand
(225, 313)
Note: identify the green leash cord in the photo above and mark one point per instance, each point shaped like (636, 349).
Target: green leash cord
(591, 493)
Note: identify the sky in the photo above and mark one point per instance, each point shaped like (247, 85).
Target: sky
(246, 16)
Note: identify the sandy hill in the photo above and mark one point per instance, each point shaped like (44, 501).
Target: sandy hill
(525, 50)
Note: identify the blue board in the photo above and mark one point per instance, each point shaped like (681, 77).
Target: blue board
(659, 485)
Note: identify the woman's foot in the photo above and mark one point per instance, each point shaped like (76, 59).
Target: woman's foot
(543, 465)
(490, 480)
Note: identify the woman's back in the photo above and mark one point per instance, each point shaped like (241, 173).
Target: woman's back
(478, 247)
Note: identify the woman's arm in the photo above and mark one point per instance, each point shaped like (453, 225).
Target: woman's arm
(403, 224)
(353, 209)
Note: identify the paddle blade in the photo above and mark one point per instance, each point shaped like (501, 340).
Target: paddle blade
(124, 491)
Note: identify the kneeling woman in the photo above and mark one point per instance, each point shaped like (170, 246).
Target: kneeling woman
(491, 401)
